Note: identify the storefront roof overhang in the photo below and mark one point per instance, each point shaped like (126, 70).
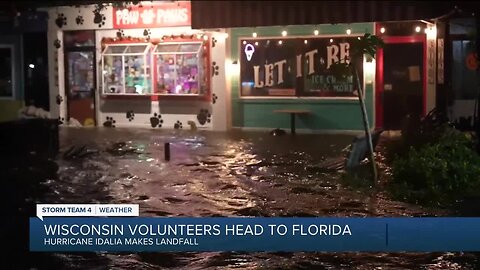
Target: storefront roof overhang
(226, 14)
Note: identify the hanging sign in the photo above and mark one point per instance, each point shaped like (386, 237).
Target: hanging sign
(153, 15)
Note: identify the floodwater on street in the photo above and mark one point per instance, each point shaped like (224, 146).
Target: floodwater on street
(222, 175)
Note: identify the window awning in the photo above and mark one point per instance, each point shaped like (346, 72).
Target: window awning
(225, 14)
(113, 49)
(179, 48)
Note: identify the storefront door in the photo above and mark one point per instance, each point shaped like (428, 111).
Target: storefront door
(402, 84)
(80, 80)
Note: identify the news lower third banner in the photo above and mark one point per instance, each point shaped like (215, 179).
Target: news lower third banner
(94, 229)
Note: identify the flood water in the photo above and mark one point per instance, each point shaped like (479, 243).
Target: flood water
(225, 174)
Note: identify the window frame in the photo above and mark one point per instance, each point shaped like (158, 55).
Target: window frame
(202, 72)
(144, 54)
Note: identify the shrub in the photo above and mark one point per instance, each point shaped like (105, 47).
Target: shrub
(439, 172)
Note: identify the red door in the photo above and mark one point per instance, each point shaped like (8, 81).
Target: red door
(401, 80)
(80, 86)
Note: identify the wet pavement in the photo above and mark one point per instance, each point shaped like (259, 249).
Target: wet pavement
(225, 174)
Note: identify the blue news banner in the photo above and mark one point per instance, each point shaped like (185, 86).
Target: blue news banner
(138, 234)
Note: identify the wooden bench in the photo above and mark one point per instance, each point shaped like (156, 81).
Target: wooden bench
(293, 113)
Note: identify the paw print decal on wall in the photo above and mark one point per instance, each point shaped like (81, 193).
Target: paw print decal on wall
(156, 120)
(130, 115)
(215, 69)
(120, 34)
(57, 43)
(99, 19)
(109, 122)
(61, 120)
(59, 99)
(79, 20)
(204, 117)
(214, 98)
(178, 125)
(147, 33)
(61, 20)
(214, 41)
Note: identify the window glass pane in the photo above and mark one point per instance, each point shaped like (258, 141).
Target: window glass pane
(6, 78)
(167, 48)
(136, 78)
(191, 48)
(464, 75)
(115, 49)
(79, 38)
(187, 74)
(166, 73)
(136, 49)
(80, 71)
(462, 26)
(112, 74)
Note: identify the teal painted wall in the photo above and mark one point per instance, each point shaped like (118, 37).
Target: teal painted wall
(327, 113)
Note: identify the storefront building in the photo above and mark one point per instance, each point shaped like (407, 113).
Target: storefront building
(280, 68)
(135, 66)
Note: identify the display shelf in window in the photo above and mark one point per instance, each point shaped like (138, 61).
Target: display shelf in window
(126, 69)
(180, 69)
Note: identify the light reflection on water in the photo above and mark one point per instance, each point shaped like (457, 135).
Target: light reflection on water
(220, 174)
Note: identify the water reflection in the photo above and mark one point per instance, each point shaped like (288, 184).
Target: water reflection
(234, 174)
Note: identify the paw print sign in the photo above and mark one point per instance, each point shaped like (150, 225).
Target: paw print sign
(79, 20)
(204, 117)
(61, 20)
(178, 125)
(130, 116)
(147, 33)
(57, 43)
(156, 120)
(59, 99)
(215, 69)
(109, 122)
(99, 19)
(120, 34)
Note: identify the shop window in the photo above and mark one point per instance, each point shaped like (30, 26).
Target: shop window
(295, 67)
(179, 69)
(464, 71)
(464, 64)
(126, 69)
(6, 71)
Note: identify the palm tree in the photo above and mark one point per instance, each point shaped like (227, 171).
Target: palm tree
(366, 45)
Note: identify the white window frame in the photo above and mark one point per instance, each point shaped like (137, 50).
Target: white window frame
(148, 46)
(197, 53)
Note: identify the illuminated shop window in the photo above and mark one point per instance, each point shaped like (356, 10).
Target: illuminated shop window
(179, 69)
(126, 69)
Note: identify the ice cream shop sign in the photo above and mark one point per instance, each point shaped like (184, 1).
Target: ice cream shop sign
(153, 14)
(295, 67)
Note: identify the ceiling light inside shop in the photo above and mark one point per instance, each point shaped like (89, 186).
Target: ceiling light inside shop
(315, 32)
(417, 29)
(254, 34)
(284, 33)
(382, 30)
(349, 31)
(280, 42)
